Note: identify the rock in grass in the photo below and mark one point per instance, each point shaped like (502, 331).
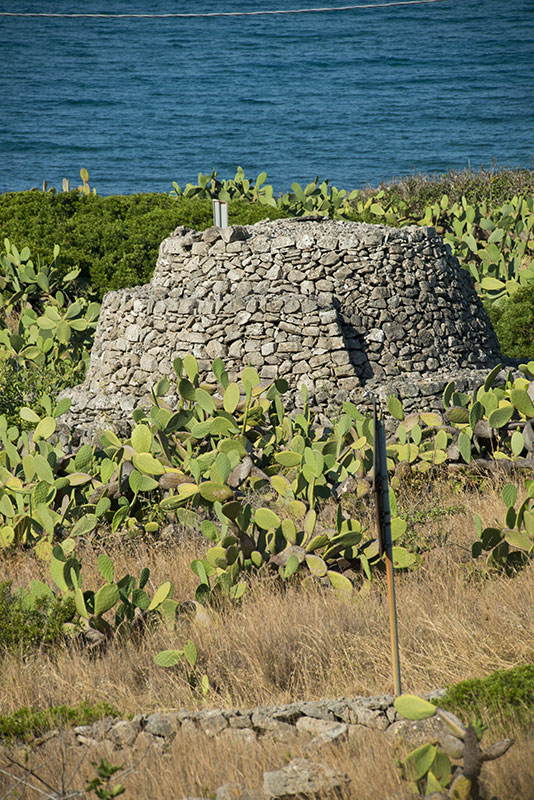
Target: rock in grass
(303, 778)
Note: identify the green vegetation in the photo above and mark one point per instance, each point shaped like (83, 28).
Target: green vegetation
(27, 723)
(114, 241)
(100, 785)
(133, 607)
(505, 696)
(494, 186)
(264, 488)
(492, 235)
(195, 461)
(25, 385)
(46, 329)
(428, 768)
(513, 321)
(510, 543)
(200, 460)
(32, 618)
(487, 218)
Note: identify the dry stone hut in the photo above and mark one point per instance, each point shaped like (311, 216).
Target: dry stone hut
(344, 307)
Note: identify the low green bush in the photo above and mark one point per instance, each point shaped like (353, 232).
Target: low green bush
(29, 721)
(114, 240)
(25, 385)
(25, 625)
(505, 695)
(514, 323)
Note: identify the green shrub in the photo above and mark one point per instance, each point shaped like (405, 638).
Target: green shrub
(514, 323)
(25, 625)
(29, 721)
(507, 694)
(114, 240)
(25, 385)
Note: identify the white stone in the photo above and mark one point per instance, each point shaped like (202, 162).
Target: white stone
(375, 335)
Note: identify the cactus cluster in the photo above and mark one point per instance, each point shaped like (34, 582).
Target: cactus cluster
(494, 242)
(199, 458)
(39, 322)
(83, 188)
(495, 245)
(495, 422)
(133, 607)
(428, 768)
(315, 198)
(508, 545)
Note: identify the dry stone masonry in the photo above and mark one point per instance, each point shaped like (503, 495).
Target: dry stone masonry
(315, 724)
(319, 722)
(343, 307)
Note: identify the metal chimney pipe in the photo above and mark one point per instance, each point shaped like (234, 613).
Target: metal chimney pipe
(223, 213)
(217, 213)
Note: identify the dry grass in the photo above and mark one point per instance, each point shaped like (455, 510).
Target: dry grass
(194, 766)
(175, 773)
(496, 184)
(284, 644)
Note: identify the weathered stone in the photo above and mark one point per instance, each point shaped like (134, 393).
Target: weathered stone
(239, 719)
(215, 349)
(236, 233)
(370, 301)
(211, 235)
(318, 727)
(416, 732)
(303, 778)
(160, 725)
(146, 742)
(83, 730)
(358, 714)
(102, 727)
(337, 733)
(123, 734)
(212, 722)
(148, 363)
(86, 741)
(132, 333)
(265, 724)
(318, 710)
(451, 745)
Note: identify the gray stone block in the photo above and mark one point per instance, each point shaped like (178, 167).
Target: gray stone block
(303, 778)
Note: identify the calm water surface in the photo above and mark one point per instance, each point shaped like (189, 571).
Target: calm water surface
(355, 96)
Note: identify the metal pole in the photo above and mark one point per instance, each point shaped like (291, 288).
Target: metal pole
(217, 213)
(385, 544)
(223, 205)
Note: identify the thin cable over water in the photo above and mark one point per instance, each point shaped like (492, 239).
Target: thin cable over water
(220, 13)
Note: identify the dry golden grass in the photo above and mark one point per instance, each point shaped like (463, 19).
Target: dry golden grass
(284, 644)
(194, 765)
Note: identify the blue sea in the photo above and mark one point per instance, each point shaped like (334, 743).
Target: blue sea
(356, 96)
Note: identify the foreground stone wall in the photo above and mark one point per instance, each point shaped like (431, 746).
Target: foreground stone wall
(314, 725)
(308, 729)
(319, 722)
(340, 306)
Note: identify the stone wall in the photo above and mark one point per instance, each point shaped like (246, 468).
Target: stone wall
(318, 721)
(306, 726)
(304, 730)
(343, 307)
